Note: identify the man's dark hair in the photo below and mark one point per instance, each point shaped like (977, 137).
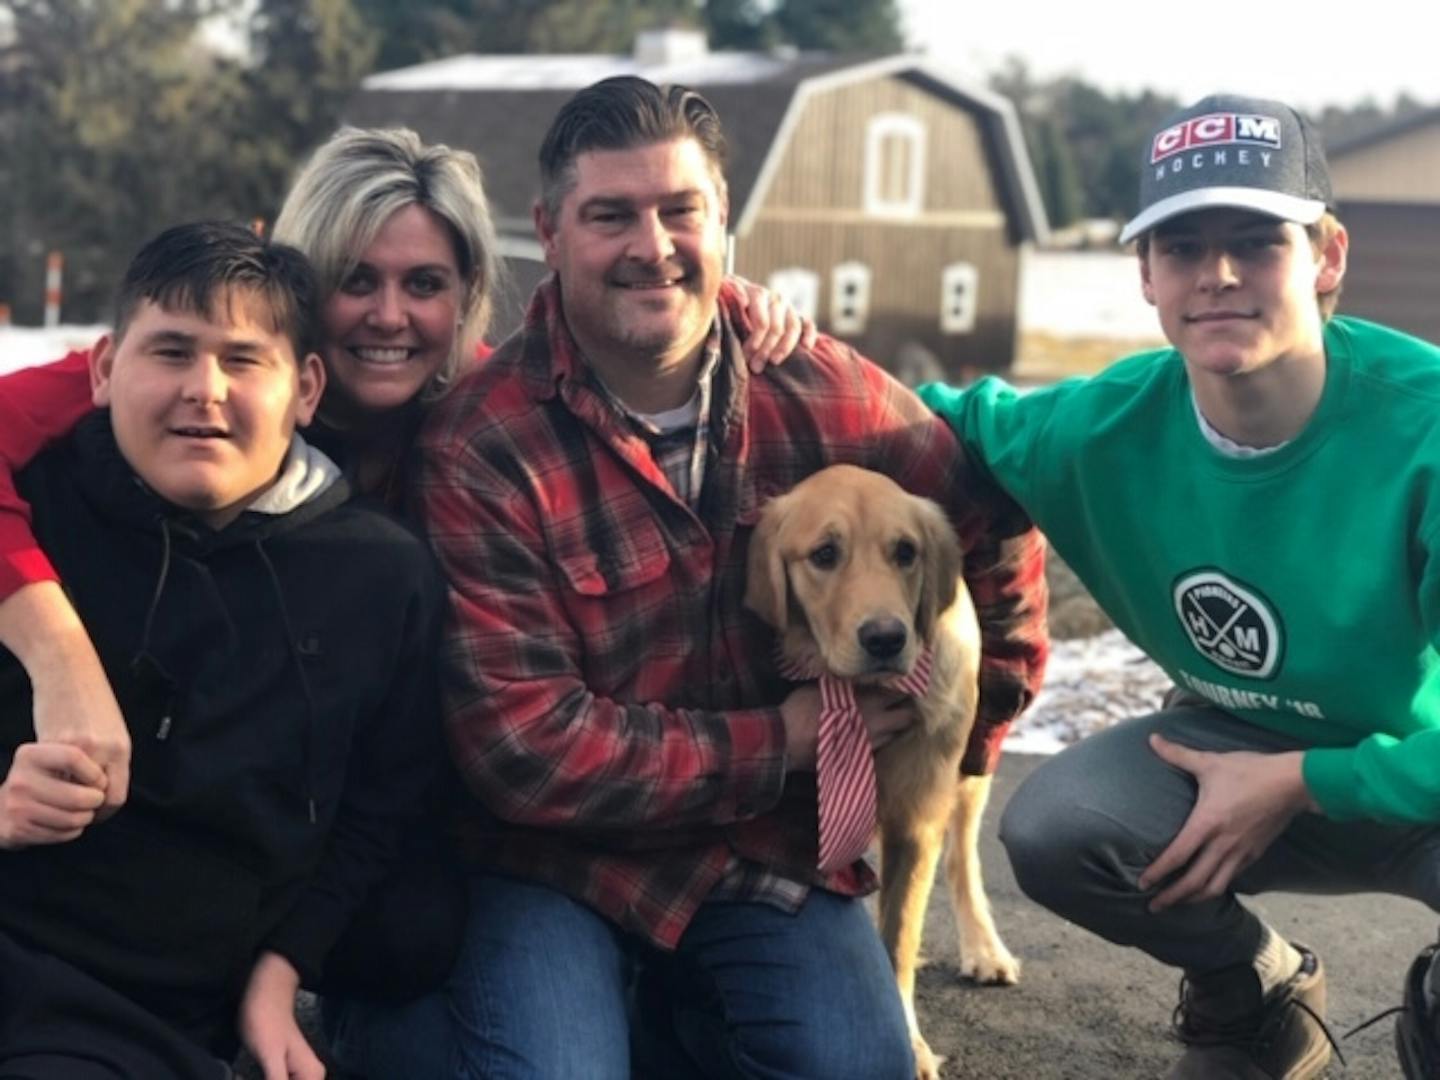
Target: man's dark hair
(193, 267)
(619, 114)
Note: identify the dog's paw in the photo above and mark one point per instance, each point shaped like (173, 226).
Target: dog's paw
(927, 1062)
(991, 966)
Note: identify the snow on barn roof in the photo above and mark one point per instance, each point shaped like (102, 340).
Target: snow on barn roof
(576, 70)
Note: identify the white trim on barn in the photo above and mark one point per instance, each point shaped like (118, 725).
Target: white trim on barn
(1015, 159)
(800, 286)
(959, 303)
(894, 165)
(849, 298)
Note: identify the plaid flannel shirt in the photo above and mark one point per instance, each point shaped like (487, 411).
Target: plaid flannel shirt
(608, 697)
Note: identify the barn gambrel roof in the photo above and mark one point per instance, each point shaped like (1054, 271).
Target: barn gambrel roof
(500, 106)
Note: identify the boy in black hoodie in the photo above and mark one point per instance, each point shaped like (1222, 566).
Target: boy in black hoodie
(270, 646)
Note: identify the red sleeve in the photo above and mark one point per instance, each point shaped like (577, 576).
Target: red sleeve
(37, 406)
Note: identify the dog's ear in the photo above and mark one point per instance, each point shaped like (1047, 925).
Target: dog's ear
(942, 565)
(766, 586)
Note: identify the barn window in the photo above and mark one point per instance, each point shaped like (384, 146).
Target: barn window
(958, 300)
(800, 286)
(849, 298)
(894, 165)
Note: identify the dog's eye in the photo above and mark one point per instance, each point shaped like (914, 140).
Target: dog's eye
(825, 556)
(905, 553)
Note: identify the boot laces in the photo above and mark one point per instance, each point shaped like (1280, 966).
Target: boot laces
(1253, 1031)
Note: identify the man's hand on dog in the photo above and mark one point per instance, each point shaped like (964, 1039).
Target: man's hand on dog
(885, 713)
(1245, 801)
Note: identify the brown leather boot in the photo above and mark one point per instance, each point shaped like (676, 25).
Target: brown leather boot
(1233, 1033)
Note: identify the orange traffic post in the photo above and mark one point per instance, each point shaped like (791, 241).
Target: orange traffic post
(54, 265)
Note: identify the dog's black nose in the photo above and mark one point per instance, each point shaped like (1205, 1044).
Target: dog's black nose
(882, 638)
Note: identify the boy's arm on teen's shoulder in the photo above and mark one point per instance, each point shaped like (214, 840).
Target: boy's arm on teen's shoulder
(527, 734)
(1003, 429)
(37, 406)
(1004, 567)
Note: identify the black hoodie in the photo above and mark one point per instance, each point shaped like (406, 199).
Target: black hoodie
(277, 677)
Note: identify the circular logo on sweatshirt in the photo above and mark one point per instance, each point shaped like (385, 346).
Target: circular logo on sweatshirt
(1232, 626)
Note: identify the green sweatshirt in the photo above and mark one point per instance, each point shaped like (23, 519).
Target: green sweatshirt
(1299, 590)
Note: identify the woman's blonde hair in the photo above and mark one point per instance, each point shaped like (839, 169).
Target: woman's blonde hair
(355, 182)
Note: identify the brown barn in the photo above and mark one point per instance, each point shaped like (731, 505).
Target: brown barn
(886, 199)
(1387, 184)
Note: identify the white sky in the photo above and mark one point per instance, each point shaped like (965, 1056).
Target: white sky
(1309, 53)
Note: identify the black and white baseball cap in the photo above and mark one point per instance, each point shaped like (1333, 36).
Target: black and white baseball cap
(1228, 150)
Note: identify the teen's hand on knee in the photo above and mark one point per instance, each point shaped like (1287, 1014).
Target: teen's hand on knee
(72, 699)
(268, 1026)
(1245, 801)
(886, 715)
(776, 327)
(49, 796)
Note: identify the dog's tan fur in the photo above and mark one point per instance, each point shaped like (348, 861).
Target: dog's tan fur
(818, 611)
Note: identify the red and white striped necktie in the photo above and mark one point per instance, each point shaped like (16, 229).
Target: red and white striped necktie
(845, 764)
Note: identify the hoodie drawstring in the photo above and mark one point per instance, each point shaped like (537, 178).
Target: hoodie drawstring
(159, 589)
(311, 726)
(142, 654)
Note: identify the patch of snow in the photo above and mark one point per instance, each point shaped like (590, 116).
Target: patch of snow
(476, 71)
(1090, 683)
(1088, 294)
(22, 346)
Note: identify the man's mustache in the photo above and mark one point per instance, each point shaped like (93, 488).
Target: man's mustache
(649, 274)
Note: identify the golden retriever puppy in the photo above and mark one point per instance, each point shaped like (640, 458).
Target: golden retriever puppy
(859, 577)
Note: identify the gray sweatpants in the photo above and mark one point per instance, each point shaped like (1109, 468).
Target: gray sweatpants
(1085, 824)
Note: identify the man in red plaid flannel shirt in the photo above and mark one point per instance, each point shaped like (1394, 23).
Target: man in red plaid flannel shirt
(648, 882)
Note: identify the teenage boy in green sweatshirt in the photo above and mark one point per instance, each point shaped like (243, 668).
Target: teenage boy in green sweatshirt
(1256, 507)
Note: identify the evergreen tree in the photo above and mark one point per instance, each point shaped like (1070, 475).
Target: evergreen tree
(845, 26)
(307, 59)
(1055, 173)
(111, 114)
(739, 24)
(419, 31)
(411, 33)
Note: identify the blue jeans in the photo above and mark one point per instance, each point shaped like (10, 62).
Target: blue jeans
(545, 988)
